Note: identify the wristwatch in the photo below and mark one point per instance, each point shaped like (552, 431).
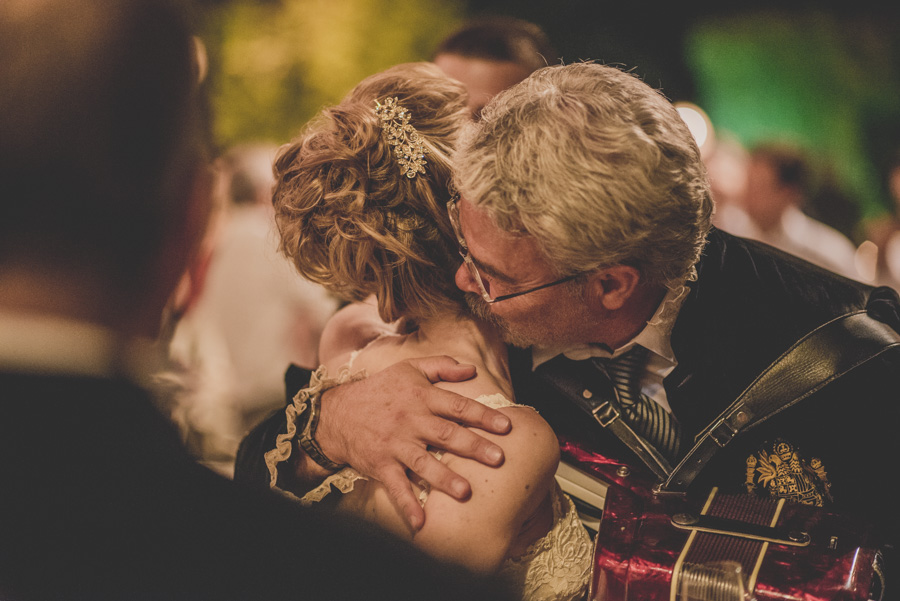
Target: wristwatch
(307, 436)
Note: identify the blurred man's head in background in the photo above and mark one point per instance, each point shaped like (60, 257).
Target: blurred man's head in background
(490, 54)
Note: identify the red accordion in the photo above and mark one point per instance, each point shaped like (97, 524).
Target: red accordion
(652, 546)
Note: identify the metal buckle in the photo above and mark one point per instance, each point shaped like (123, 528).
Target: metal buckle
(722, 433)
(660, 490)
(605, 413)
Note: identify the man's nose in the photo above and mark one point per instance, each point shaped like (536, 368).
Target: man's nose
(464, 280)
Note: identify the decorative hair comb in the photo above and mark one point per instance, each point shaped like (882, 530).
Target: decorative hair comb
(408, 146)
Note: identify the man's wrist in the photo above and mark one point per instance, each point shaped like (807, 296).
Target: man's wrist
(307, 425)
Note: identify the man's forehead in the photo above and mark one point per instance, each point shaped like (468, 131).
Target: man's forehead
(472, 211)
(475, 218)
(493, 247)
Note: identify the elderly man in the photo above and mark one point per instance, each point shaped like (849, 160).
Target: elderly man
(584, 223)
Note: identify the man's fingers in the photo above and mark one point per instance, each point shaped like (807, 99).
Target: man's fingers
(443, 369)
(407, 416)
(398, 487)
(468, 412)
(461, 441)
(424, 465)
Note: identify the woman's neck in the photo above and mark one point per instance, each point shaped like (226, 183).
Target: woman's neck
(468, 341)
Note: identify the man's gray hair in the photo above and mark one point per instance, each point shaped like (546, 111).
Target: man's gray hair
(594, 164)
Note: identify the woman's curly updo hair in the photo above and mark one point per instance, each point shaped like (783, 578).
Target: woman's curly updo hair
(351, 221)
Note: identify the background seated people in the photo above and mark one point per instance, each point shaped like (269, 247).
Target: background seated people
(884, 231)
(361, 204)
(780, 183)
(252, 316)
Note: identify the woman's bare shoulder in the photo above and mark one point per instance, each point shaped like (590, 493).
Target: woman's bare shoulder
(349, 329)
(480, 532)
(531, 444)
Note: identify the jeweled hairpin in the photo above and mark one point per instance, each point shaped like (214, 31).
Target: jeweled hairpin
(408, 146)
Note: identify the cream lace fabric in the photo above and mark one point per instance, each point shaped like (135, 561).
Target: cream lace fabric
(556, 567)
(318, 383)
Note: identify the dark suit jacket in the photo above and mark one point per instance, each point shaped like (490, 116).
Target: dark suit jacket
(749, 304)
(99, 501)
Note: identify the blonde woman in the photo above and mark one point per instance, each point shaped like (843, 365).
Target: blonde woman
(362, 207)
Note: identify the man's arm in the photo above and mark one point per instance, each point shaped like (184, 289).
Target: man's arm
(384, 424)
(250, 466)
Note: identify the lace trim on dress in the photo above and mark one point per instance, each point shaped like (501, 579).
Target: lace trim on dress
(556, 567)
(318, 383)
(344, 481)
(499, 400)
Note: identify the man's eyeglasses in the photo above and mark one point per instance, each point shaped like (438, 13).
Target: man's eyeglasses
(453, 210)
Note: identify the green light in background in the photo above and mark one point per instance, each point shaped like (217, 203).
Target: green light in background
(811, 78)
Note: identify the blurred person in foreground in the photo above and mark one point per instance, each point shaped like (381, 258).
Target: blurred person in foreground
(105, 179)
(489, 54)
(584, 220)
(361, 204)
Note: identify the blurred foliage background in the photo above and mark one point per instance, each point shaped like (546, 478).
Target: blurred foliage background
(273, 65)
(826, 75)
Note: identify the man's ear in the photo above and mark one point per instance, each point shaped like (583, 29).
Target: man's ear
(613, 286)
(165, 286)
(195, 238)
(189, 238)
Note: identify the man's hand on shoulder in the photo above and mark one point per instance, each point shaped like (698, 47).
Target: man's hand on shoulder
(384, 424)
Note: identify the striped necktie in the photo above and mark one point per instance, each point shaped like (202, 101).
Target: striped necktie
(645, 416)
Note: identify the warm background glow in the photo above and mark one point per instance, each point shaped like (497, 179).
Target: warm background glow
(275, 64)
(824, 74)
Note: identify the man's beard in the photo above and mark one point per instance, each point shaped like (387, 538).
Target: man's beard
(521, 336)
(480, 309)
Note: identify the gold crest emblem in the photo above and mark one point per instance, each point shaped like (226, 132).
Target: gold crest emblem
(781, 471)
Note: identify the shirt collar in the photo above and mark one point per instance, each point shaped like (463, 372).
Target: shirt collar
(655, 336)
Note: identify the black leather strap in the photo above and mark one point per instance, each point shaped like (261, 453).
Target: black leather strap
(306, 435)
(596, 395)
(823, 355)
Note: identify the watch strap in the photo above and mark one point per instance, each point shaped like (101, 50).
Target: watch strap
(307, 435)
